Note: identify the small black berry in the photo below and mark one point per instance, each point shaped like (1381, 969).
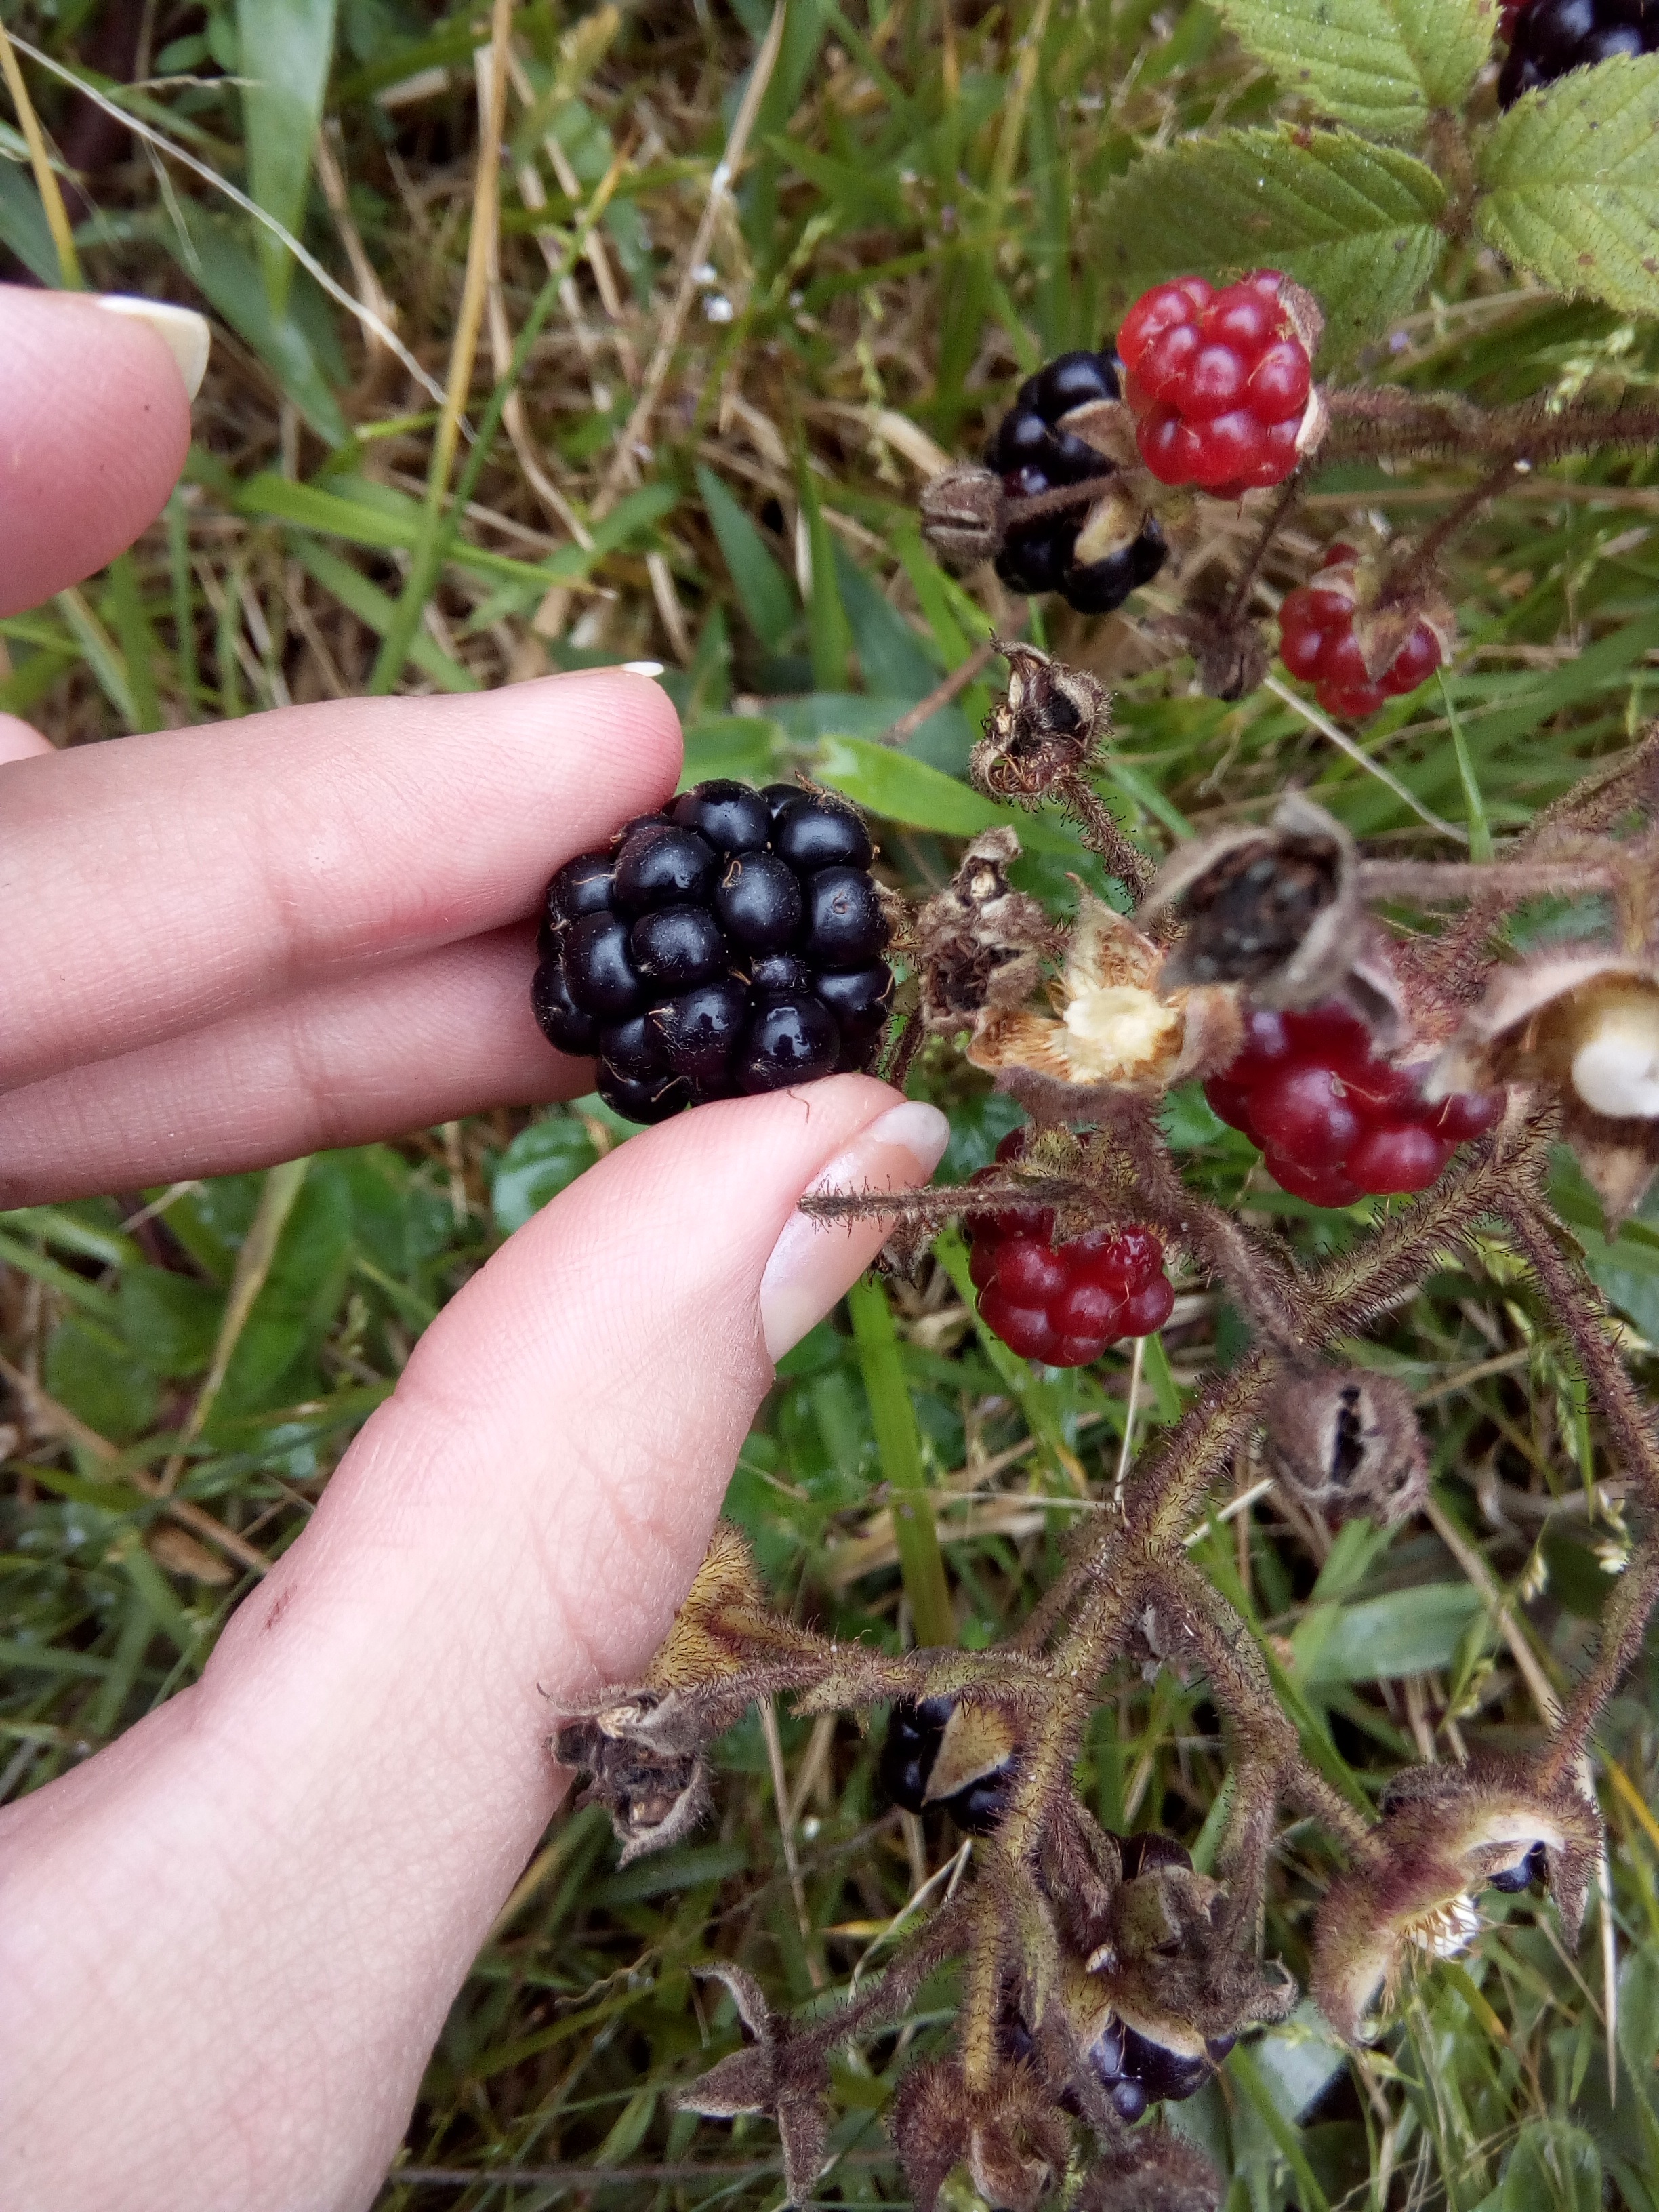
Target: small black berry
(562, 1021)
(732, 816)
(1160, 2071)
(793, 1040)
(815, 833)
(701, 1030)
(774, 973)
(1551, 37)
(653, 1100)
(596, 968)
(780, 795)
(661, 865)
(845, 925)
(1072, 380)
(759, 902)
(1100, 588)
(634, 1049)
(860, 1000)
(581, 886)
(679, 946)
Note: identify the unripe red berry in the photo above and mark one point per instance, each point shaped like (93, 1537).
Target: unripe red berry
(1062, 1304)
(1316, 643)
(1219, 383)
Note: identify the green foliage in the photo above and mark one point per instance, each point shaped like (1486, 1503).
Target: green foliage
(1571, 185)
(286, 49)
(1355, 222)
(1378, 64)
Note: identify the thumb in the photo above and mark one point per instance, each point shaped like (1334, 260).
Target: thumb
(366, 1754)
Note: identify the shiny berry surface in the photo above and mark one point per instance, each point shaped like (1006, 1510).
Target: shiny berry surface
(1218, 382)
(1063, 1303)
(1317, 643)
(1034, 451)
(731, 946)
(1548, 37)
(1336, 1122)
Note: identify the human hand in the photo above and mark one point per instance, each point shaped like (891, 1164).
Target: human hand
(229, 1942)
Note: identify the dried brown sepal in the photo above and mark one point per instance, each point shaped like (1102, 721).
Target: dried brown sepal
(643, 1756)
(1389, 596)
(1346, 1442)
(1009, 2136)
(963, 515)
(1180, 1964)
(783, 2071)
(1446, 1832)
(979, 943)
(724, 1614)
(1048, 725)
(1109, 428)
(1153, 2169)
(1585, 1025)
(1113, 1028)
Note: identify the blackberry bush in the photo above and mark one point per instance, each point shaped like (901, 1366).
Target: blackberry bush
(731, 945)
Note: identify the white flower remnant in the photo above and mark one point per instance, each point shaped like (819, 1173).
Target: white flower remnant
(1615, 1065)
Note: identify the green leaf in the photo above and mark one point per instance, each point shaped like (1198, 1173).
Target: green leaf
(112, 1391)
(900, 789)
(213, 257)
(536, 1166)
(763, 589)
(1379, 64)
(169, 1319)
(826, 627)
(23, 225)
(287, 46)
(1409, 1631)
(1355, 222)
(1573, 184)
(1555, 2167)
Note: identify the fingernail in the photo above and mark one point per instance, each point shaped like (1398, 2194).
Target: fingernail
(814, 1263)
(187, 336)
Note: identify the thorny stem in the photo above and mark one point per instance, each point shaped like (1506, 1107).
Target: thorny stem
(1506, 882)
(1418, 565)
(1289, 492)
(1101, 832)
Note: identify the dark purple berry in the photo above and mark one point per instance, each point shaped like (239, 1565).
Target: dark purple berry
(1106, 2052)
(561, 1020)
(1100, 586)
(913, 1733)
(596, 969)
(654, 1099)
(1036, 560)
(1072, 380)
(759, 902)
(1551, 37)
(633, 1049)
(662, 864)
(780, 795)
(845, 925)
(581, 886)
(1023, 440)
(794, 1040)
(701, 1030)
(732, 818)
(771, 974)
(821, 833)
(1130, 2098)
(1511, 1880)
(859, 1000)
(1159, 2070)
(678, 946)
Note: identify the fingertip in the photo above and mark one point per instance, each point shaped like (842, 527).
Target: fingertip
(625, 712)
(18, 741)
(93, 431)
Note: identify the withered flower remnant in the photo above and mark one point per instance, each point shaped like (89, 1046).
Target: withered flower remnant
(1113, 1027)
(1584, 1023)
(1048, 725)
(783, 2072)
(961, 516)
(978, 942)
(1277, 908)
(644, 1758)
(1446, 1833)
(1346, 1442)
(1153, 2169)
(1008, 2134)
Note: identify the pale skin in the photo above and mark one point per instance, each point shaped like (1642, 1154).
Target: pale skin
(228, 1942)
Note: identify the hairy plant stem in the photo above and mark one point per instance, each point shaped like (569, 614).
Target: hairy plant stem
(1102, 834)
(1272, 522)
(1376, 422)
(1418, 567)
(1624, 1630)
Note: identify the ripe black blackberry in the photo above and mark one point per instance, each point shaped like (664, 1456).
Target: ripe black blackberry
(960, 1760)
(730, 944)
(1548, 37)
(1033, 452)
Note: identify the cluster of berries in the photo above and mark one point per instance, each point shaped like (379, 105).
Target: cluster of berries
(1034, 452)
(730, 945)
(1063, 1303)
(1132, 2066)
(1333, 1119)
(1316, 643)
(1218, 382)
(939, 1756)
(1548, 37)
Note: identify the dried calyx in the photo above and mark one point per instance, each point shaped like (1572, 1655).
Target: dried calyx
(1049, 725)
(1584, 1024)
(959, 1757)
(1277, 908)
(1345, 1441)
(978, 942)
(1447, 1833)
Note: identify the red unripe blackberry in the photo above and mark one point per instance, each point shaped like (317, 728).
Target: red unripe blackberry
(1033, 453)
(1063, 1303)
(1335, 1120)
(1316, 643)
(732, 944)
(1548, 37)
(1219, 382)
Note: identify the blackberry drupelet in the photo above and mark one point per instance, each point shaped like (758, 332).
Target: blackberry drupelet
(731, 944)
(1033, 452)
(1548, 37)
